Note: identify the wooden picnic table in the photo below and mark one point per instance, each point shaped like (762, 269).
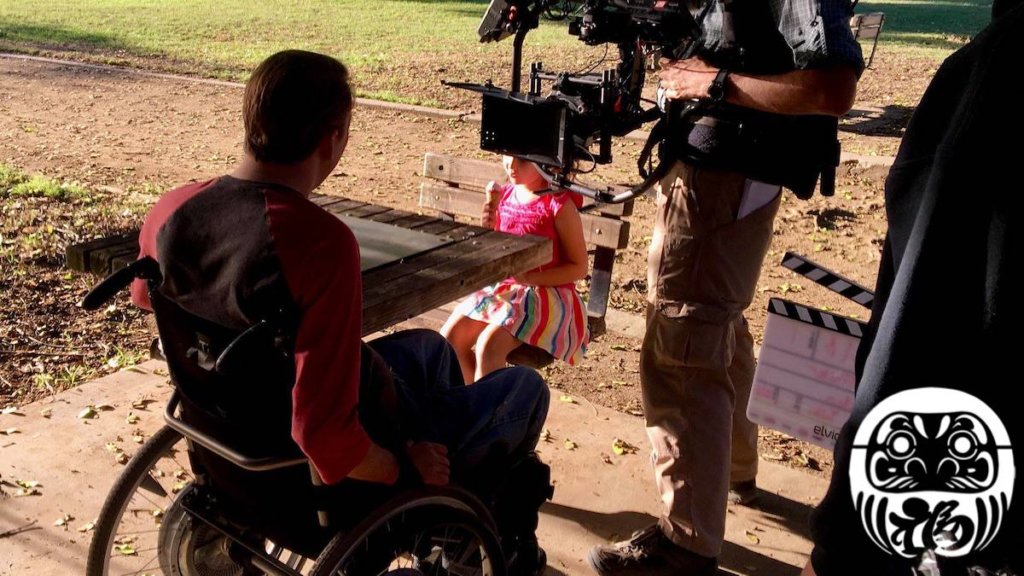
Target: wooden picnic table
(394, 292)
(475, 258)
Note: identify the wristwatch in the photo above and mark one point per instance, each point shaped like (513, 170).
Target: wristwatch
(716, 92)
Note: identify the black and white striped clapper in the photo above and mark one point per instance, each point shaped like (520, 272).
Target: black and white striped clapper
(816, 317)
(829, 279)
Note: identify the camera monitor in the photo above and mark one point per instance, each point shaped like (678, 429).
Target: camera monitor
(525, 127)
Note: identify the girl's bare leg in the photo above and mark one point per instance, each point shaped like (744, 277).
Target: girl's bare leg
(462, 332)
(492, 348)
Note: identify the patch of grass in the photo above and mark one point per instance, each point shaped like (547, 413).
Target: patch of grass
(43, 187)
(233, 35)
(124, 358)
(9, 177)
(929, 27)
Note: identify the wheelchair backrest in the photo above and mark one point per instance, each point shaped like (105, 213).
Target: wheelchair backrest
(234, 384)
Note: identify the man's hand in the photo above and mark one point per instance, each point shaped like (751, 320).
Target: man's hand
(431, 461)
(490, 207)
(686, 79)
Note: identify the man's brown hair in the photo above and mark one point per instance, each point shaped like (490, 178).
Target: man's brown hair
(292, 100)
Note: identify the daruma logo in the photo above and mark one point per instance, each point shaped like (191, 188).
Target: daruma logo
(931, 469)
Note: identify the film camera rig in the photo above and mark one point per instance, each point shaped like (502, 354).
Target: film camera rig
(582, 109)
(586, 110)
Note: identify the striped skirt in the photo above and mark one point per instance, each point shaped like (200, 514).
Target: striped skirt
(552, 318)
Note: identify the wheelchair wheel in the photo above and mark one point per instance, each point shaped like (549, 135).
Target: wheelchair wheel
(126, 538)
(426, 532)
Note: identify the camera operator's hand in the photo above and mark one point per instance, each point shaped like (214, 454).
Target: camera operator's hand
(431, 461)
(686, 79)
(490, 207)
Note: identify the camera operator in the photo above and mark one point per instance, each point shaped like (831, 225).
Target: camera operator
(792, 62)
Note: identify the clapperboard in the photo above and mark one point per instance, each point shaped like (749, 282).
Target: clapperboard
(804, 382)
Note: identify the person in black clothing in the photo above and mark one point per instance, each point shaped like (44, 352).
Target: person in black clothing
(948, 306)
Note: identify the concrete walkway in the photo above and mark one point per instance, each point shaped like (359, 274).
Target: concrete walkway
(599, 495)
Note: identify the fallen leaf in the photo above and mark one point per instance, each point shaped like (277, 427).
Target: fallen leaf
(27, 483)
(545, 435)
(121, 458)
(104, 407)
(132, 418)
(9, 431)
(179, 486)
(138, 438)
(86, 527)
(46, 412)
(11, 410)
(136, 369)
(63, 521)
(621, 447)
(569, 444)
(87, 413)
(26, 492)
(125, 549)
(113, 448)
(606, 458)
(568, 399)
(752, 537)
(619, 347)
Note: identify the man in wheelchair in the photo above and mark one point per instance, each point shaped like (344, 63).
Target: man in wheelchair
(249, 252)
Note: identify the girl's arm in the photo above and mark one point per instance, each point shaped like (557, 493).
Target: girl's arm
(574, 252)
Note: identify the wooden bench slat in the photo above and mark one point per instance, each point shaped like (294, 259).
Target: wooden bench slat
(597, 230)
(462, 171)
(470, 174)
(80, 256)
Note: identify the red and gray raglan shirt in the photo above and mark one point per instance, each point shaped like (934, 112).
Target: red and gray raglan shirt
(230, 251)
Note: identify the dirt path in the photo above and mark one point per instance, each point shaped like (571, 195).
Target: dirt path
(130, 137)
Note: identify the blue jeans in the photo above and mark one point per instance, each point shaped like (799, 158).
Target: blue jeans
(494, 422)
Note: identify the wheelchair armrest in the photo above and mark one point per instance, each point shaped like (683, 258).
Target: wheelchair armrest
(145, 268)
(246, 461)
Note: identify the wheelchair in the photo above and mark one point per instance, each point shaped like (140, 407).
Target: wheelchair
(222, 489)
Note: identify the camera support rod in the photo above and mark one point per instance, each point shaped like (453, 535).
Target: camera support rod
(530, 21)
(607, 195)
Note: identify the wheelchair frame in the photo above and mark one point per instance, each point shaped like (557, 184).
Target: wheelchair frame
(425, 505)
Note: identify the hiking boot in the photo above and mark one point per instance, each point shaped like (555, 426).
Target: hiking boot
(743, 493)
(649, 553)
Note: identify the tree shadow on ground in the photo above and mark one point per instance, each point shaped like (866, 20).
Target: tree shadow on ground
(790, 515)
(892, 120)
(57, 38)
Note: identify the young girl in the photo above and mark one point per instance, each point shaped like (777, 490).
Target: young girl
(539, 307)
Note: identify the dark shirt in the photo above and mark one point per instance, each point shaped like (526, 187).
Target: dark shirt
(232, 252)
(948, 305)
(781, 35)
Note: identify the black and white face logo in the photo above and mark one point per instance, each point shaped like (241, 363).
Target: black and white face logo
(931, 469)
